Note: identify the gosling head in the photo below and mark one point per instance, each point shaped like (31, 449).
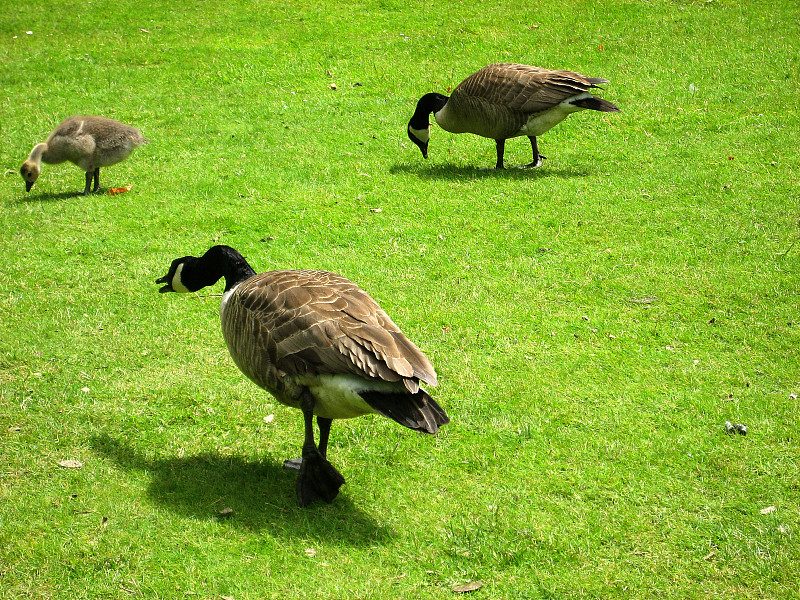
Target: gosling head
(30, 173)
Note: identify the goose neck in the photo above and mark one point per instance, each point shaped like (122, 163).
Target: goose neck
(224, 261)
(429, 103)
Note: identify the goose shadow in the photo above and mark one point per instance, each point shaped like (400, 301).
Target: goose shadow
(450, 171)
(262, 495)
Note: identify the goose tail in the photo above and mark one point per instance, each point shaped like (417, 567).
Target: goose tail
(595, 103)
(416, 411)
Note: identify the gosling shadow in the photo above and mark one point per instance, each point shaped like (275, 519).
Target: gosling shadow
(261, 495)
(457, 172)
(46, 197)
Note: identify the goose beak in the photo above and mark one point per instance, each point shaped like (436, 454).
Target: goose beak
(166, 288)
(423, 146)
(28, 186)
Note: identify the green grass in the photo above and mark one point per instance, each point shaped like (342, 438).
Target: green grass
(586, 457)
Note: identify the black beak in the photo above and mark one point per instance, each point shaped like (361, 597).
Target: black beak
(166, 288)
(28, 186)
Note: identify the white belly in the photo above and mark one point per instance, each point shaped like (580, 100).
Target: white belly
(336, 396)
(544, 121)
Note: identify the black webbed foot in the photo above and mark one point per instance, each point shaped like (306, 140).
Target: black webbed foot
(318, 479)
(536, 163)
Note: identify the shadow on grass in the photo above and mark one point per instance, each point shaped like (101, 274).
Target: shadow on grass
(444, 171)
(47, 197)
(261, 495)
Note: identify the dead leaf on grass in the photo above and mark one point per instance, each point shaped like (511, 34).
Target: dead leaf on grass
(467, 587)
(70, 464)
(767, 510)
(644, 300)
(119, 190)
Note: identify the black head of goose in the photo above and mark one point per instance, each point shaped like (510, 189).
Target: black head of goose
(88, 142)
(507, 100)
(317, 342)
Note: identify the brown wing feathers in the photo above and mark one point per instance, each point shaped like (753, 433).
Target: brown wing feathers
(525, 88)
(321, 322)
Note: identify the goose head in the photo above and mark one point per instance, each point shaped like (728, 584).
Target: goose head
(419, 126)
(177, 280)
(419, 136)
(30, 173)
(191, 273)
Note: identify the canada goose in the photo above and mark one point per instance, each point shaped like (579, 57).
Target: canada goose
(507, 100)
(317, 342)
(88, 142)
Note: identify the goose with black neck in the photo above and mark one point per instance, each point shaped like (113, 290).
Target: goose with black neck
(319, 343)
(507, 100)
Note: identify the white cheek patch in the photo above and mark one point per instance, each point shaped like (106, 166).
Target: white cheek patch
(423, 135)
(176, 283)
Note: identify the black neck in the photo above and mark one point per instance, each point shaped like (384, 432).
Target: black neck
(222, 261)
(429, 103)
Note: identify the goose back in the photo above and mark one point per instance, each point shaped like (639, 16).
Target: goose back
(498, 100)
(287, 329)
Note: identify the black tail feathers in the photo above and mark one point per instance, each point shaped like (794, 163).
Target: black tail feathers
(417, 411)
(594, 103)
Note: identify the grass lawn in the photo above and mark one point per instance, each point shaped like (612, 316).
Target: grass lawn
(594, 322)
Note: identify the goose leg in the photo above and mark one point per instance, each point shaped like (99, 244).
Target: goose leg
(96, 179)
(324, 426)
(318, 479)
(537, 158)
(501, 147)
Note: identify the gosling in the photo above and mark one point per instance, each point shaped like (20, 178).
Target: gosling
(88, 142)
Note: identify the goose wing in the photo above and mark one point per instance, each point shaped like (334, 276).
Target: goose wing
(524, 88)
(315, 322)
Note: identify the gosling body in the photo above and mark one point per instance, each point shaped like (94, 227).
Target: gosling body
(88, 142)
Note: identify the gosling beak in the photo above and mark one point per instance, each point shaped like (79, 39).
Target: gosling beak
(28, 186)
(166, 288)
